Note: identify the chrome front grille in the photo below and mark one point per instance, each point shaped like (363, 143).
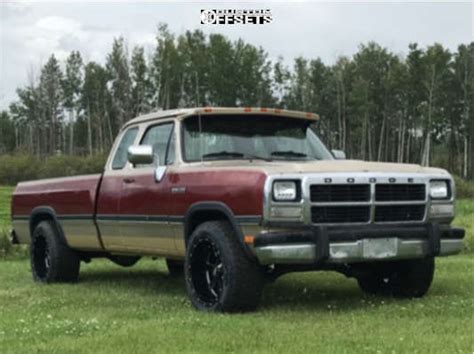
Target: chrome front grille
(399, 192)
(340, 214)
(388, 213)
(340, 192)
(376, 201)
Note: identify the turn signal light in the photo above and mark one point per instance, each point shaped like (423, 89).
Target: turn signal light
(248, 239)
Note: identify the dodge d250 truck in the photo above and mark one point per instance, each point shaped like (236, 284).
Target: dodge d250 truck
(236, 196)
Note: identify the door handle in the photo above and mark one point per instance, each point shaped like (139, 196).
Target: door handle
(128, 180)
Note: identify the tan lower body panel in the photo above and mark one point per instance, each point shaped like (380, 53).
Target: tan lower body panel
(22, 230)
(159, 238)
(180, 245)
(81, 234)
(110, 234)
(148, 237)
(142, 237)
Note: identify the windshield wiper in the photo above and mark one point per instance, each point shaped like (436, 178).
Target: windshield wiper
(288, 153)
(223, 154)
(235, 154)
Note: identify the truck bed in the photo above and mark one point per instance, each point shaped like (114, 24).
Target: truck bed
(73, 200)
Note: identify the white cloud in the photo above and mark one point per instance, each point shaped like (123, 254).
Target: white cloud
(31, 32)
(56, 24)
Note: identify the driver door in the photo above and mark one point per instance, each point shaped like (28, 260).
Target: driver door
(146, 200)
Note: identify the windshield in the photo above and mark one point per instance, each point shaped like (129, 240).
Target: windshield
(260, 137)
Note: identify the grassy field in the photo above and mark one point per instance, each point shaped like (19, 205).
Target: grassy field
(5, 196)
(143, 310)
(6, 250)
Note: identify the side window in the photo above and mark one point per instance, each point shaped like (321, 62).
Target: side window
(171, 150)
(120, 158)
(161, 137)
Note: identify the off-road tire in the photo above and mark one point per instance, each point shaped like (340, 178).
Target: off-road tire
(125, 261)
(405, 279)
(239, 278)
(52, 261)
(175, 267)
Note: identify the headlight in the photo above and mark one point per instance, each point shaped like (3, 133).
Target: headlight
(284, 190)
(439, 190)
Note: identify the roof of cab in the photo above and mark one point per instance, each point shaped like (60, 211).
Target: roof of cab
(185, 112)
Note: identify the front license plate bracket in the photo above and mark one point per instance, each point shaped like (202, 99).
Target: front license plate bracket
(380, 248)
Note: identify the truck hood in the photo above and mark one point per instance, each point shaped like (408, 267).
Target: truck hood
(329, 166)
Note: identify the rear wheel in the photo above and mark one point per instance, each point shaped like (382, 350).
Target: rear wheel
(51, 258)
(410, 278)
(219, 276)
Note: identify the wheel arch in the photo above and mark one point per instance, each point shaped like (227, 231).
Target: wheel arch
(212, 211)
(45, 213)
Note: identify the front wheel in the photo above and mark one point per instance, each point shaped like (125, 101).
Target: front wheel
(219, 276)
(406, 279)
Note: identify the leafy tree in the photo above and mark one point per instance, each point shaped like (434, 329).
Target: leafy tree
(463, 91)
(120, 83)
(27, 115)
(97, 105)
(7, 133)
(223, 72)
(141, 89)
(437, 74)
(281, 83)
(194, 53)
(342, 73)
(72, 84)
(253, 76)
(374, 105)
(51, 97)
(166, 77)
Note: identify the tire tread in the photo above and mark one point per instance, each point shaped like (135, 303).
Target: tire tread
(246, 278)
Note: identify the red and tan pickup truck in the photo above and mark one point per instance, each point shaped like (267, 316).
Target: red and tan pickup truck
(236, 196)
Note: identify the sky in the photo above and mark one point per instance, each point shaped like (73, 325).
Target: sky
(31, 32)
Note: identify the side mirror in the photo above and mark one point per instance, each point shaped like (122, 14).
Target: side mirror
(140, 154)
(339, 154)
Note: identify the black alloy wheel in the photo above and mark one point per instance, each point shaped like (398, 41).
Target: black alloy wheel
(219, 275)
(207, 271)
(40, 256)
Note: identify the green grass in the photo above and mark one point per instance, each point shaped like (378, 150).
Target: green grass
(6, 249)
(143, 310)
(5, 197)
(465, 219)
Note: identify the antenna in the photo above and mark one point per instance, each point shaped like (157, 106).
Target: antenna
(200, 136)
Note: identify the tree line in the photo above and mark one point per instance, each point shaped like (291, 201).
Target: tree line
(375, 105)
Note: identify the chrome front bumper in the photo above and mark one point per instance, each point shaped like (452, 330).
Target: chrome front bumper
(352, 252)
(351, 245)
